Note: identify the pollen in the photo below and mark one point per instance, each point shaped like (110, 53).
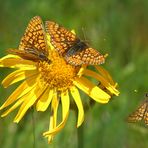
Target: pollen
(58, 74)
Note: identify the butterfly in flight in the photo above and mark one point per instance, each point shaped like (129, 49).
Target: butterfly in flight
(141, 113)
(33, 44)
(75, 51)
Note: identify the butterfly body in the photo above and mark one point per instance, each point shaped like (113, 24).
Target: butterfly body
(77, 47)
(68, 45)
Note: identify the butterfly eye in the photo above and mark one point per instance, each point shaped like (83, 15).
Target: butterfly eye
(42, 56)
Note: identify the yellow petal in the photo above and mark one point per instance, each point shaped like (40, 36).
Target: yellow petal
(17, 75)
(65, 103)
(76, 96)
(54, 107)
(56, 129)
(24, 88)
(5, 58)
(93, 91)
(105, 74)
(51, 123)
(53, 116)
(45, 100)
(29, 101)
(65, 111)
(13, 61)
(49, 42)
(81, 71)
(14, 106)
(104, 81)
(73, 31)
(10, 56)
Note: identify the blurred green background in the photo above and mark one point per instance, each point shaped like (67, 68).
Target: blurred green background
(117, 27)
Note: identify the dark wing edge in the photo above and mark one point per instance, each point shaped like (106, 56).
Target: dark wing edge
(90, 57)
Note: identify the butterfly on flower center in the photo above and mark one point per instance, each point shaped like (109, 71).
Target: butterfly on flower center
(75, 51)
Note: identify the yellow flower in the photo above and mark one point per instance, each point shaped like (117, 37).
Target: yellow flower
(50, 83)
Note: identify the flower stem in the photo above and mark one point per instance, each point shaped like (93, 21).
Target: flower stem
(80, 136)
(33, 128)
(80, 130)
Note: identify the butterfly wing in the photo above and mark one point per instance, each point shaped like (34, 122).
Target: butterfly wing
(145, 118)
(87, 56)
(138, 114)
(61, 38)
(34, 39)
(23, 54)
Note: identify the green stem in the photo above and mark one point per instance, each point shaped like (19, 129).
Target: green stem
(33, 124)
(80, 130)
(80, 136)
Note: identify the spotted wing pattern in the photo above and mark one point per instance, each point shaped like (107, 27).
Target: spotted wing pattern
(64, 41)
(61, 38)
(86, 56)
(145, 118)
(34, 39)
(140, 114)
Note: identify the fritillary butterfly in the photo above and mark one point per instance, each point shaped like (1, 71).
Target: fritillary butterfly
(75, 51)
(33, 44)
(140, 114)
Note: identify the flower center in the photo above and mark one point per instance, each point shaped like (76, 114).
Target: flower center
(58, 74)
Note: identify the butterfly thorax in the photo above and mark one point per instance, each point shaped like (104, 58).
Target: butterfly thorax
(77, 47)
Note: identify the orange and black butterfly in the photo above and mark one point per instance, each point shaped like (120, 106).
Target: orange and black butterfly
(141, 113)
(33, 44)
(75, 51)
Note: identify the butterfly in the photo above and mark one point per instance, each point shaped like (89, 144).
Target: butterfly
(75, 51)
(33, 44)
(140, 114)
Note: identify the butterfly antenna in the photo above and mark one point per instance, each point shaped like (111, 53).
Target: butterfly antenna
(84, 35)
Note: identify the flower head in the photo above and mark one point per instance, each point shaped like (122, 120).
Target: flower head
(49, 82)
